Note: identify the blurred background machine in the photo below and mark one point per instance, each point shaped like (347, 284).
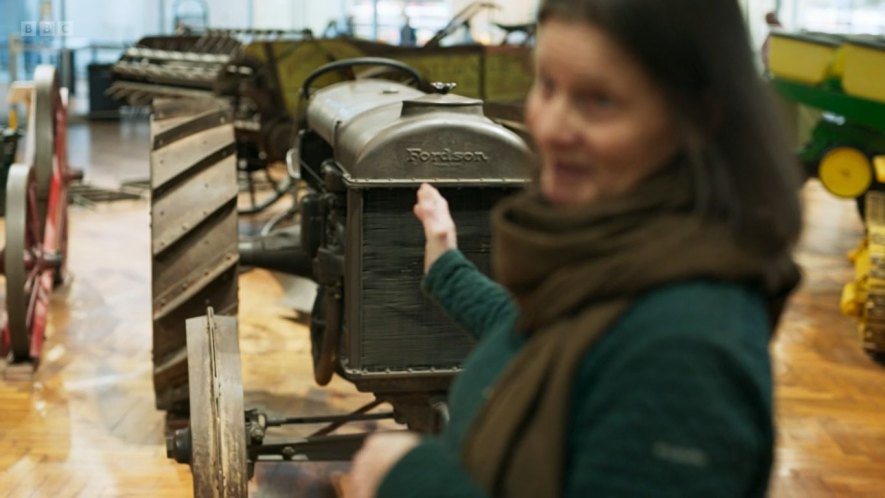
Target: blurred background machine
(260, 72)
(843, 78)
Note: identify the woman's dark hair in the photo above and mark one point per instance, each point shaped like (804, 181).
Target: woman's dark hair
(698, 52)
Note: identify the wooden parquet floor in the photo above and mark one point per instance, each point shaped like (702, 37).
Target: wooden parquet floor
(830, 396)
(85, 425)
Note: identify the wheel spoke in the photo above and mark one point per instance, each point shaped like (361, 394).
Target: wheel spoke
(33, 271)
(32, 305)
(32, 223)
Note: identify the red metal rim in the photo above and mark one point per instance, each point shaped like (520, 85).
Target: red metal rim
(55, 237)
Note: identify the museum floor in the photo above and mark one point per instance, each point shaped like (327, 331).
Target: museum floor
(85, 425)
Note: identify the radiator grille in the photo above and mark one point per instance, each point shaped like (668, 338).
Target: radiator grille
(399, 326)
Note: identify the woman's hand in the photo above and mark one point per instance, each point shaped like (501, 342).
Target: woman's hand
(439, 228)
(375, 459)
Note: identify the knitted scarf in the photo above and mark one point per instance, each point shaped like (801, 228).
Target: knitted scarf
(573, 272)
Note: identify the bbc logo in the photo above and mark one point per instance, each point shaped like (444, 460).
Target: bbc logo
(47, 28)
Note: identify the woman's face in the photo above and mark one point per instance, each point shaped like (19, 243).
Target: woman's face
(600, 123)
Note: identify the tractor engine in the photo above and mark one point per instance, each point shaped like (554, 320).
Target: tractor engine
(367, 146)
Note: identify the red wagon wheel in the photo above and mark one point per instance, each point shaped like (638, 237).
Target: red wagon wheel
(50, 160)
(36, 222)
(28, 278)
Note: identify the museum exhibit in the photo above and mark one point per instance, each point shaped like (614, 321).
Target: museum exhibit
(442, 248)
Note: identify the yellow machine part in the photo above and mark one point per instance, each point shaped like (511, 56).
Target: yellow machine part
(879, 166)
(864, 71)
(294, 60)
(854, 294)
(845, 172)
(865, 297)
(837, 66)
(804, 60)
(492, 73)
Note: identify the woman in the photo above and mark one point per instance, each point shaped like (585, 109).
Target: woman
(644, 274)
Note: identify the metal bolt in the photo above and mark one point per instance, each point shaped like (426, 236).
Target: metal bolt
(288, 452)
(178, 446)
(257, 434)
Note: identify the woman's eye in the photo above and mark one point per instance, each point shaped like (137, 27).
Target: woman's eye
(596, 102)
(603, 100)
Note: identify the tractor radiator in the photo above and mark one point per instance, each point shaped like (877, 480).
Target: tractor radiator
(393, 327)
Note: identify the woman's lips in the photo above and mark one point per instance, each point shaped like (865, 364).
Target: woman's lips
(570, 170)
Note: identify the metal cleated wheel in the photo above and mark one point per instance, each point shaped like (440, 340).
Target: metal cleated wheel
(193, 232)
(215, 442)
(223, 443)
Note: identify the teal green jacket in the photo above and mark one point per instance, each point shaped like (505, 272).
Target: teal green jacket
(674, 400)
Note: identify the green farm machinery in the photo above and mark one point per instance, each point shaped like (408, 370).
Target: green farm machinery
(843, 77)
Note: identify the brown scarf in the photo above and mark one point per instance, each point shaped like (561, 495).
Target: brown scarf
(574, 271)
